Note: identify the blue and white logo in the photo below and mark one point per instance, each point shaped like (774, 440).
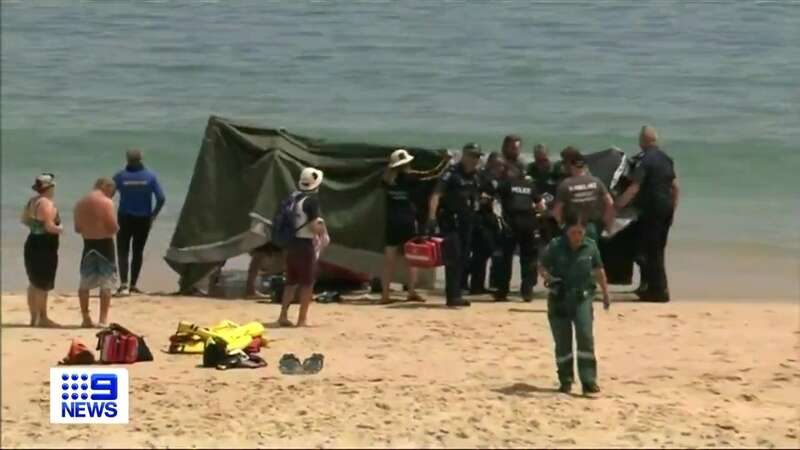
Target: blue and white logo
(88, 395)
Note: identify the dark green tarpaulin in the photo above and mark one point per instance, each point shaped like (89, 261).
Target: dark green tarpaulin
(243, 172)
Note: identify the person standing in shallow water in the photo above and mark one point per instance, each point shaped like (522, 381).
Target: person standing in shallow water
(41, 247)
(572, 268)
(137, 186)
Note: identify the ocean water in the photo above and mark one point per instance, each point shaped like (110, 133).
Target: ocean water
(83, 81)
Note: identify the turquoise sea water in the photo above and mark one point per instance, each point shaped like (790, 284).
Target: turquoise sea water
(83, 81)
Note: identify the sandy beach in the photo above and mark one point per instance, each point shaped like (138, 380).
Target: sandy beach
(685, 374)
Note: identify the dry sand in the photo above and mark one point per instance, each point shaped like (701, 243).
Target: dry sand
(685, 374)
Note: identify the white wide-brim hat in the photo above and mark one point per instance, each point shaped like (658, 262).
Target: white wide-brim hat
(44, 182)
(400, 157)
(310, 179)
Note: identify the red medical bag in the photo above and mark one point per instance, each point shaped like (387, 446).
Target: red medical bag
(118, 348)
(425, 252)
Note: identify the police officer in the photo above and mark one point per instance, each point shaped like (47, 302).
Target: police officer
(572, 268)
(510, 153)
(655, 189)
(584, 195)
(453, 203)
(487, 224)
(520, 201)
(543, 171)
(546, 176)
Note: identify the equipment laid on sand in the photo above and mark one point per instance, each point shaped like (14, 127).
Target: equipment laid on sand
(118, 345)
(424, 252)
(78, 354)
(190, 338)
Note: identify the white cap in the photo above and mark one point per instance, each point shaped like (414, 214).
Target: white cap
(400, 157)
(310, 179)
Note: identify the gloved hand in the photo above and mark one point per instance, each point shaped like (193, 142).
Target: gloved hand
(430, 227)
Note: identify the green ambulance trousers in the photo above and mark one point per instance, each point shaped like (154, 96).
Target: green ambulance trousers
(561, 325)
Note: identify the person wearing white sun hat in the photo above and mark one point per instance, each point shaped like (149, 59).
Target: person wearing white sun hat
(302, 252)
(400, 183)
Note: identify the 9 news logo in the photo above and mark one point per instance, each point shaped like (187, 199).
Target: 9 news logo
(88, 395)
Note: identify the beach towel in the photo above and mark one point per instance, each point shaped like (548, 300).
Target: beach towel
(98, 268)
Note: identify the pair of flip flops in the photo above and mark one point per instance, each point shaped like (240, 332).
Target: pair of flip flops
(291, 365)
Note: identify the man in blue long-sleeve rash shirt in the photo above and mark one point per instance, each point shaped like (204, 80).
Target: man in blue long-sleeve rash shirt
(136, 186)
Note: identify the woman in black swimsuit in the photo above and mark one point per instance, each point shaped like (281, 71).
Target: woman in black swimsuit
(41, 248)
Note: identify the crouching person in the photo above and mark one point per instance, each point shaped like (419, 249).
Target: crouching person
(571, 267)
(96, 222)
(303, 249)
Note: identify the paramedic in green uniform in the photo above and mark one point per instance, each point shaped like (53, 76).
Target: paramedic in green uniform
(572, 268)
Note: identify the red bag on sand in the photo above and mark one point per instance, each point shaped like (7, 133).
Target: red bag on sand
(78, 353)
(119, 348)
(426, 253)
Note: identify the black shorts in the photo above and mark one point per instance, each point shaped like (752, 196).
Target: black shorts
(400, 230)
(41, 260)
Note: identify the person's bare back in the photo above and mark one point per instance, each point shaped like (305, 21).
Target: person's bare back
(94, 214)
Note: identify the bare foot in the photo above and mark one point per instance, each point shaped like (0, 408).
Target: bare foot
(87, 323)
(285, 323)
(303, 324)
(102, 325)
(34, 321)
(47, 323)
(385, 301)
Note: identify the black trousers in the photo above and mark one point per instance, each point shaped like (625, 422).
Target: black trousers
(482, 249)
(132, 230)
(457, 233)
(521, 236)
(653, 233)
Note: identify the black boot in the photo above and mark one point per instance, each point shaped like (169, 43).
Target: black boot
(458, 303)
(591, 389)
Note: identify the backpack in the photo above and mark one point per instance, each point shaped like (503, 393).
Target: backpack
(283, 224)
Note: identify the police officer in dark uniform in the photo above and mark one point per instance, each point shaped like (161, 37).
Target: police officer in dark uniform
(654, 187)
(520, 201)
(546, 176)
(453, 204)
(487, 225)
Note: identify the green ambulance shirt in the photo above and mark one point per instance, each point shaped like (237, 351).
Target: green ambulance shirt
(574, 267)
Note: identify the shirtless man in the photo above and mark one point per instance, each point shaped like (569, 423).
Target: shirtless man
(96, 222)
